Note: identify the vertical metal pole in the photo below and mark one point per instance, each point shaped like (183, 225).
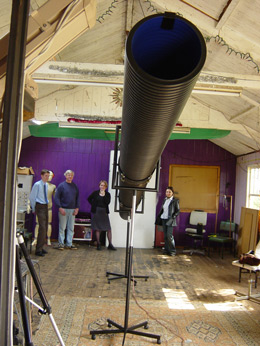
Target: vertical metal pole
(127, 246)
(130, 260)
(11, 136)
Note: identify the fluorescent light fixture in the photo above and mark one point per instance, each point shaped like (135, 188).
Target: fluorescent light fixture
(86, 126)
(106, 127)
(180, 129)
(217, 92)
(78, 82)
(198, 90)
(38, 122)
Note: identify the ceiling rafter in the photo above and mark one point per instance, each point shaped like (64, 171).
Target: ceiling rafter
(129, 16)
(242, 115)
(227, 12)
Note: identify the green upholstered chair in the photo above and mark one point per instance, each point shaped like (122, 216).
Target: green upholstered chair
(224, 237)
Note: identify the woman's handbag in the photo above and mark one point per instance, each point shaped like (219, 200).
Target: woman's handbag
(158, 220)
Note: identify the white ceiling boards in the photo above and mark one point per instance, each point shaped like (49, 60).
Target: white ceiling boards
(84, 78)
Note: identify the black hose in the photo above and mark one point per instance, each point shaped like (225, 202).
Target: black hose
(164, 56)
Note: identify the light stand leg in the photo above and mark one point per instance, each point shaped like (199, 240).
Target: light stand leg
(125, 329)
(125, 275)
(25, 320)
(46, 307)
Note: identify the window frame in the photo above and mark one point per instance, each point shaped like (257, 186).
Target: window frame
(249, 194)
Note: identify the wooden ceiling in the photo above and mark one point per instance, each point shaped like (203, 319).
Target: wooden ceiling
(84, 80)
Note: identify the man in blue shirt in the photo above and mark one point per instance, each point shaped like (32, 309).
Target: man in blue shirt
(39, 204)
(67, 199)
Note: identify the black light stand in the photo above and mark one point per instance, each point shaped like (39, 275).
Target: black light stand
(46, 307)
(125, 275)
(125, 328)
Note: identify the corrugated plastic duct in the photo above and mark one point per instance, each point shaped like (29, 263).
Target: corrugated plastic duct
(164, 56)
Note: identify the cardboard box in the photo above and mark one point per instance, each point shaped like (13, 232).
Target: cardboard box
(25, 170)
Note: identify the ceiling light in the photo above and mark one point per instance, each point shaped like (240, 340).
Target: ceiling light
(217, 92)
(77, 82)
(179, 129)
(38, 122)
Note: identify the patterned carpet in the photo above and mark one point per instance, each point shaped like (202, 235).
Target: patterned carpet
(178, 324)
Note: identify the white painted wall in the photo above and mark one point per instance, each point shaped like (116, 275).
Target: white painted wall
(241, 181)
(144, 230)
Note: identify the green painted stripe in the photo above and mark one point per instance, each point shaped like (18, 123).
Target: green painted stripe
(54, 131)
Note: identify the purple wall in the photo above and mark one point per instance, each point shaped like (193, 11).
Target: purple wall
(89, 159)
(198, 152)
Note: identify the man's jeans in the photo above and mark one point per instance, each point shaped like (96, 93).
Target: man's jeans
(66, 222)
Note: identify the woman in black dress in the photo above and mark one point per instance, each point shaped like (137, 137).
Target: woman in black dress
(99, 201)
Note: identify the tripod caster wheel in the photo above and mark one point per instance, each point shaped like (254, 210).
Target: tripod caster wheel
(109, 325)
(146, 327)
(145, 279)
(159, 342)
(108, 281)
(93, 337)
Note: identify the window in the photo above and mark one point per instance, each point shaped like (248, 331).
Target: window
(253, 187)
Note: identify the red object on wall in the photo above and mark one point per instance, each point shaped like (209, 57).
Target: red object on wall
(159, 238)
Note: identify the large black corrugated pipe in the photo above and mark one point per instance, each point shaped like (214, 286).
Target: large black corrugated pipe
(164, 56)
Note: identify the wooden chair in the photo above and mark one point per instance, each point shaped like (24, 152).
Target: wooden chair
(249, 269)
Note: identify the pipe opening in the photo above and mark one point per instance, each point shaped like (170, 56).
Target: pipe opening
(166, 53)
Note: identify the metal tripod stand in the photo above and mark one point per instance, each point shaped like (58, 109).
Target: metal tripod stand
(126, 329)
(46, 309)
(125, 275)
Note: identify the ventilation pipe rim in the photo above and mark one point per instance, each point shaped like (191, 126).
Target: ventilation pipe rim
(138, 70)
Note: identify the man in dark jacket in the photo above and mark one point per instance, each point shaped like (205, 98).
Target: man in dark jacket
(168, 213)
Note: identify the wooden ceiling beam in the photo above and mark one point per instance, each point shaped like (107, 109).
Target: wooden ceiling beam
(226, 13)
(55, 25)
(129, 16)
(236, 118)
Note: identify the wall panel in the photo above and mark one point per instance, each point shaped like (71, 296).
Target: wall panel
(90, 161)
(204, 153)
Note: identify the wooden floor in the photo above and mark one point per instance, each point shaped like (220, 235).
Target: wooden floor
(203, 280)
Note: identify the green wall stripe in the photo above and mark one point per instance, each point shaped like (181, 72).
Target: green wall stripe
(54, 131)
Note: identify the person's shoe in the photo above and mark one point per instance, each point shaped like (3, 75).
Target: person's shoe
(98, 247)
(60, 247)
(39, 253)
(171, 254)
(111, 247)
(72, 247)
(44, 252)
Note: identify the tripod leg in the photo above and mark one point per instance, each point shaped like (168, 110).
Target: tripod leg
(26, 328)
(46, 306)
